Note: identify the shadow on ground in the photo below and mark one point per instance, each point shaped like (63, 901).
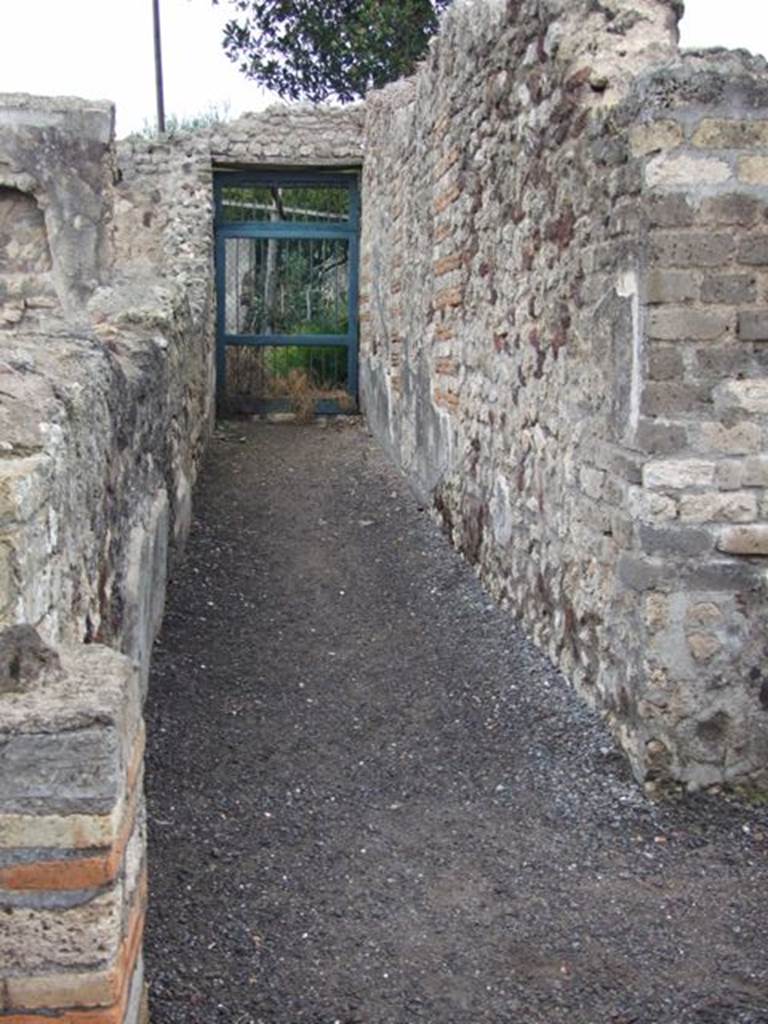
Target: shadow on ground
(372, 802)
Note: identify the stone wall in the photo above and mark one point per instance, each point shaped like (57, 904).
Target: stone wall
(563, 344)
(107, 380)
(299, 135)
(105, 405)
(164, 202)
(106, 402)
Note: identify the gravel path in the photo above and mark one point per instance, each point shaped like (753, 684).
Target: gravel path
(371, 801)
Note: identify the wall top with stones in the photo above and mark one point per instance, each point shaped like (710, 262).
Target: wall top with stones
(92, 118)
(283, 135)
(615, 40)
(293, 134)
(704, 79)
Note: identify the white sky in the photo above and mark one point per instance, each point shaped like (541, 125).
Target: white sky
(102, 49)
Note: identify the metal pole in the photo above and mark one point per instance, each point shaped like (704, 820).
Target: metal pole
(158, 68)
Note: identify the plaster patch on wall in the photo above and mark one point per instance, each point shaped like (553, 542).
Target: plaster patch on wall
(501, 511)
(628, 287)
(23, 238)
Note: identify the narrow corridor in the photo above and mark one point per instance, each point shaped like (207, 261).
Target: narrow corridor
(372, 801)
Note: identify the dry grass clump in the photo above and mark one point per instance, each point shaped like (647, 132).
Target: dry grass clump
(246, 371)
(303, 394)
(250, 376)
(298, 389)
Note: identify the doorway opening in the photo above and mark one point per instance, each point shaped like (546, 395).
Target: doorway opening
(287, 258)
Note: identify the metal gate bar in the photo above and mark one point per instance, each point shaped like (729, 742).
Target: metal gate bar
(251, 253)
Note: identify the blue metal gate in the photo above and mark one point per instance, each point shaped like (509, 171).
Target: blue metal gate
(287, 252)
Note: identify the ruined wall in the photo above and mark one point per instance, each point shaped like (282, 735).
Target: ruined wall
(73, 878)
(107, 380)
(105, 404)
(700, 514)
(106, 401)
(562, 327)
(164, 202)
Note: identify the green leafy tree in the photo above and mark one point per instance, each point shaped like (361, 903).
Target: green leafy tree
(329, 49)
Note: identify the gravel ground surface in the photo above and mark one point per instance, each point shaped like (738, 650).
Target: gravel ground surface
(372, 801)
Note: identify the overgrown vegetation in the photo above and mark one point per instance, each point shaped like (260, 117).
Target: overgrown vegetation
(283, 285)
(176, 125)
(296, 377)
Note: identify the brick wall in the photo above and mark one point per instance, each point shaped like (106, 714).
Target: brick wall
(561, 344)
(72, 866)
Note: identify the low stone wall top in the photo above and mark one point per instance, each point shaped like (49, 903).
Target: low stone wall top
(292, 135)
